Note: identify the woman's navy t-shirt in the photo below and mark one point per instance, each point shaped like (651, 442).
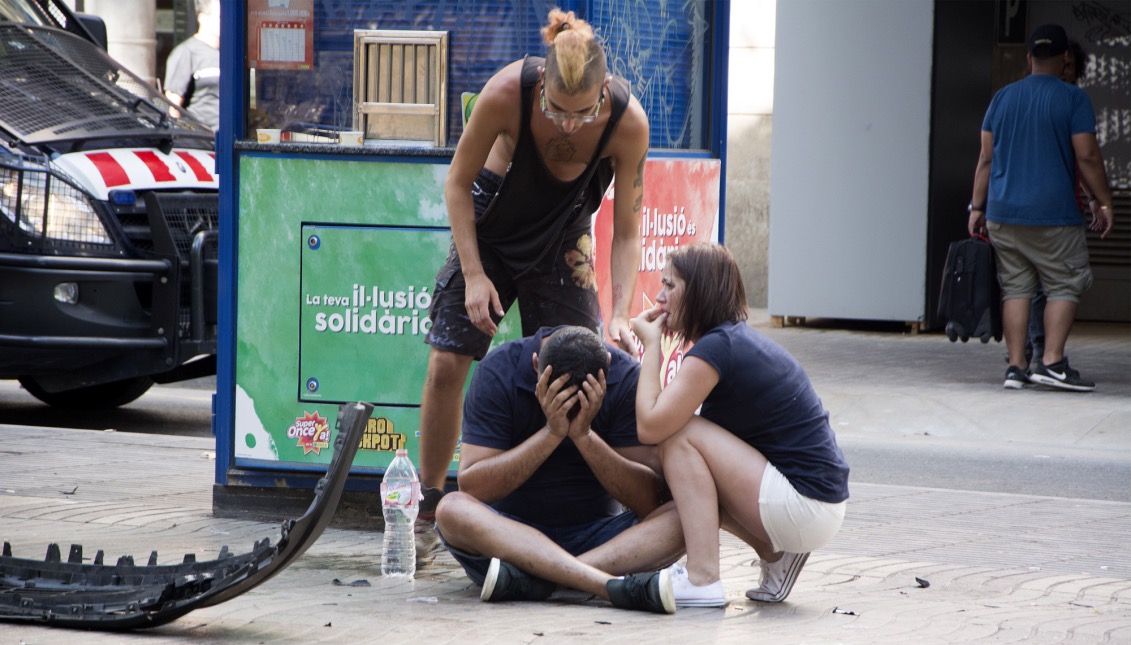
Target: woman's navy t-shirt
(764, 398)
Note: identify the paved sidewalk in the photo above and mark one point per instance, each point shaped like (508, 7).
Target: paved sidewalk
(1001, 567)
(893, 384)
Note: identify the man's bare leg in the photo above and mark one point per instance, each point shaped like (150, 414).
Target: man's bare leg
(472, 527)
(441, 404)
(1015, 323)
(655, 542)
(1059, 315)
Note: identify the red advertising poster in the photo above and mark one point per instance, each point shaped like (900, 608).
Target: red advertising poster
(680, 206)
(280, 34)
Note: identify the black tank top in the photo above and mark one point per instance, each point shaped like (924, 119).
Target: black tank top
(534, 210)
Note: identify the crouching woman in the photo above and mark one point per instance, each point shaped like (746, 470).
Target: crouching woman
(759, 458)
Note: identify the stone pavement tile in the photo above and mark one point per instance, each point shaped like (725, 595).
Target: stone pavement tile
(976, 549)
(903, 384)
(1017, 531)
(302, 605)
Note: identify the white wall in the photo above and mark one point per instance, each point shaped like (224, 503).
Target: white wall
(750, 105)
(131, 29)
(848, 196)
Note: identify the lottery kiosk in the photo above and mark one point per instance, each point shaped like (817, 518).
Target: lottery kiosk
(339, 123)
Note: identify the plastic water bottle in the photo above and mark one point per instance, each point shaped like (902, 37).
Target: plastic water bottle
(400, 501)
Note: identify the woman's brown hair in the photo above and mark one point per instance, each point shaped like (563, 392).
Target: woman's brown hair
(713, 291)
(575, 61)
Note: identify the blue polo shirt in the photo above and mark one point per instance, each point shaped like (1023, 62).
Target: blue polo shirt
(1033, 170)
(764, 398)
(501, 411)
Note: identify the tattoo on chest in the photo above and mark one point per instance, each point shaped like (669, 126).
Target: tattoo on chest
(560, 148)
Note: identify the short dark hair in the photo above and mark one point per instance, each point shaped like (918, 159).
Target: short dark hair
(713, 291)
(576, 351)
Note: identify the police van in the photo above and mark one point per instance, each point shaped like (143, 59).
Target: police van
(108, 219)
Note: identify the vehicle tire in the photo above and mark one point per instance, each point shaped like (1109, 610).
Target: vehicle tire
(95, 397)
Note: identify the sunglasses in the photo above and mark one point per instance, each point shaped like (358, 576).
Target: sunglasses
(562, 117)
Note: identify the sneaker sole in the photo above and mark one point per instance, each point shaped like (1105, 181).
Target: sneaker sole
(490, 580)
(1060, 385)
(667, 596)
(790, 579)
(1013, 385)
(716, 602)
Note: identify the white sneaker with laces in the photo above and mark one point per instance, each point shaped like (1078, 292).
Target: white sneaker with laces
(690, 595)
(778, 577)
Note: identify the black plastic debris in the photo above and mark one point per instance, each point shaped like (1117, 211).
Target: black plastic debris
(923, 584)
(846, 612)
(353, 583)
(127, 596)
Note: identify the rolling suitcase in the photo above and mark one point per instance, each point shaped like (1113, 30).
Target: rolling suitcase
(970, 301)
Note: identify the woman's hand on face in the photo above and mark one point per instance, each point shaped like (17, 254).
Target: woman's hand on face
(649, 326)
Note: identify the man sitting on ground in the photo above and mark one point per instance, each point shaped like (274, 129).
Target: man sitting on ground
(548, 458)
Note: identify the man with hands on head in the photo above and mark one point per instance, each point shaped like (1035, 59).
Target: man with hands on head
(548, 465)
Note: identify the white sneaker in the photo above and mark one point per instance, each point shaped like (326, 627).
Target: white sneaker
(778, 577)
(689, 595)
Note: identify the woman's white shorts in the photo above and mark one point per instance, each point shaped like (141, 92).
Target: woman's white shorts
(795, 523)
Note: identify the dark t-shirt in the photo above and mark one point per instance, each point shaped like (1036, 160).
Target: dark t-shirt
(765, 398)
(501, 411)
(1033, 171)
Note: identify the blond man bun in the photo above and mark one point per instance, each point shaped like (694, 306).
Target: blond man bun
(575, 61)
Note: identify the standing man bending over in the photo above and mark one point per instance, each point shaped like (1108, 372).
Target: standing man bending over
(549, 457)
(531, 168)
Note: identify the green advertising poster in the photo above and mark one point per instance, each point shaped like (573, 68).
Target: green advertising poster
(336, 270)
(365, 296)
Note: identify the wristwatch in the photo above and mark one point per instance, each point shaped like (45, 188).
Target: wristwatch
(971, 208)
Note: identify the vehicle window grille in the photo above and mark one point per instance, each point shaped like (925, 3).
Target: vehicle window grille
(135, 225)
(49, 214)
(56, 86)
(187, 214)
(184, 217)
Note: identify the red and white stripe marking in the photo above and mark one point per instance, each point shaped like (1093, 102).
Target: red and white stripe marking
(101, 171)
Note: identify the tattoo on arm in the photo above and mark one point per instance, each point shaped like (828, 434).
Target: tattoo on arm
(618, 294)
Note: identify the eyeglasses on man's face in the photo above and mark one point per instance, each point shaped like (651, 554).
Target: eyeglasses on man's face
(561, 117)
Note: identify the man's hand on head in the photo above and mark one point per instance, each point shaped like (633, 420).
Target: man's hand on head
(590, 397)
(556, 400)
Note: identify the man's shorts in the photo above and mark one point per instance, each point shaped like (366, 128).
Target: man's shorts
(562, 294)
(1054, 257)
(575, 540)
(795, 523)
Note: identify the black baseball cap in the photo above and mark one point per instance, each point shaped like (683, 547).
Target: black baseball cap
(1048, 40)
